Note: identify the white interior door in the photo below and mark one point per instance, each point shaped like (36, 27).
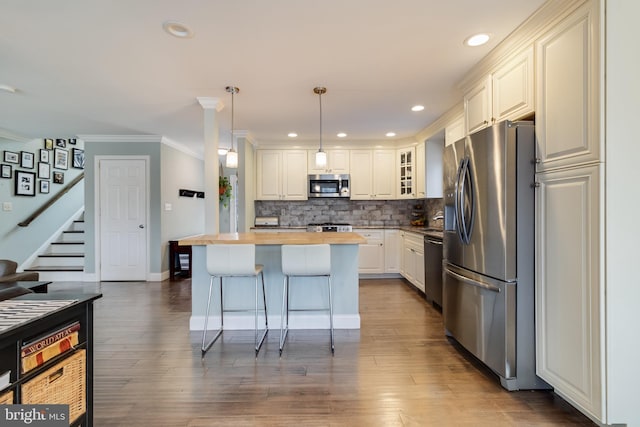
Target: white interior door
(123, 216)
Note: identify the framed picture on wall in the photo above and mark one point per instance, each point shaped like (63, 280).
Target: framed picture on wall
(5, 171)
(72, 141)
(26, 160)
(11, 157)
(60, 159)
(48, 144)
(44, 155)
(78, 158)
(44, 187)
(61, 143)
(44, 170)
(58, 177)
(25, 184)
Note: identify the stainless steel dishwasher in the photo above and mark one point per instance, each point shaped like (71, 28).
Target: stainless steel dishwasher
(433, 269)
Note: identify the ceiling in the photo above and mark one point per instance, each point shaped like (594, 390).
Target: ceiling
(85, 67)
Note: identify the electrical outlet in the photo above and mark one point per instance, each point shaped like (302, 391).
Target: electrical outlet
(7, 206)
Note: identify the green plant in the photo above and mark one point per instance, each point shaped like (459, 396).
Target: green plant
(224, 190)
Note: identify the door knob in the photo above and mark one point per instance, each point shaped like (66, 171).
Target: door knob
(141, 226)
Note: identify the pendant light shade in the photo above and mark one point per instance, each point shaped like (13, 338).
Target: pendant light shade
(232, 154)
(321, 156)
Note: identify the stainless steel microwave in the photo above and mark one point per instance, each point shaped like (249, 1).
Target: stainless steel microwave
(328, 185)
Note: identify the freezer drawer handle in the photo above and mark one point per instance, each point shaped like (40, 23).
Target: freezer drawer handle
(479, 284)
(434, 242)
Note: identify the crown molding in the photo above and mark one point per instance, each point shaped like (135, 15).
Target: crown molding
(4, 133)
(210, 103)
(176, 145)
(121, 138)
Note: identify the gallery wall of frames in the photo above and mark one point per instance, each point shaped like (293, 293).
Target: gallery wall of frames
(37, 171)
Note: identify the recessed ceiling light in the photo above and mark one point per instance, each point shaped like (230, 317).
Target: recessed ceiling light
(342, 135)
(477, 39)
(417, 108)
(390, 134)
(7, 88)
(177, 29)
(292, 134)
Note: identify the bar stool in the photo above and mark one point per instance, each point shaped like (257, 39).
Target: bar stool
(234, 261)
(304, 261)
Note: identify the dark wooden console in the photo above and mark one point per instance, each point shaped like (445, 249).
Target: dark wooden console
(26, 320)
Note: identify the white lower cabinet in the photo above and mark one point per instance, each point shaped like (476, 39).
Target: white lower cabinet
(371, 255)
(412, 266)
(569, 301)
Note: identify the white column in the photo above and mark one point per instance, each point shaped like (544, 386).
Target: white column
(211, 106)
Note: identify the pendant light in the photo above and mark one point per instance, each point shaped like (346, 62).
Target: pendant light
(321, 156)
(232, 155)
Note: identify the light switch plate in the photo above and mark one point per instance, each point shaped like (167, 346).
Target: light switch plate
(168, 206)
(7, 206)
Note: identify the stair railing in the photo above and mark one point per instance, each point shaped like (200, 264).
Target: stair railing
(51, 201)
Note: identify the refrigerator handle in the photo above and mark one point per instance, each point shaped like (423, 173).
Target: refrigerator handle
(468, 186)
(457, 207)
(472, 282)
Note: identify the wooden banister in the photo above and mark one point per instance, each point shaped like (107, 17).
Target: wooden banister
(51, 201)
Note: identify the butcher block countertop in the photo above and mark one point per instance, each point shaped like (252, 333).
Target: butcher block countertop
(285, 238)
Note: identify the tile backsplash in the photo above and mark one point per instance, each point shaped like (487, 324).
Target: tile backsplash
(358, 213)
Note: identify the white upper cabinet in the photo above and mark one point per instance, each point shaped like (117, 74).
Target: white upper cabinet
(567, 109)
(337, 162)
(281, 175)
(454, 130)
(505, 94)
(477, 106)
(373, 174)
(406, 173)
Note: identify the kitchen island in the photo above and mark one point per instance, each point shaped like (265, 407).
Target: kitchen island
(239, 291)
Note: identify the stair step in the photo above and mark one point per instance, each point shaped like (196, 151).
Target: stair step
(66, 248)
(55, 268)
(62, 255)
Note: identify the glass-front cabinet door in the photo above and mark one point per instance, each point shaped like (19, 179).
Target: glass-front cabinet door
(406, 171)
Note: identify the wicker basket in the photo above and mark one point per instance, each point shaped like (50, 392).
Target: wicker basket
(6, 398)
(64, 383)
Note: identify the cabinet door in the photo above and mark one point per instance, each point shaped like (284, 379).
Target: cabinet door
(361, 185)
(371, 254)
(454, 131)
(294, 175)
(567, 98)
(268, 175)
(477, 106)
(512, 86)
(384, 174)
(338, 161)
(419, 269)
(568, 305)
(406, 164)
(420, 171)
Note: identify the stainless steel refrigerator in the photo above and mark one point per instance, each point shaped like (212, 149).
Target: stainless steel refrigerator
(488, 258)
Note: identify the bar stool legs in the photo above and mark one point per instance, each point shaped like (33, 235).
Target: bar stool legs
(258, 337)
(304, 261)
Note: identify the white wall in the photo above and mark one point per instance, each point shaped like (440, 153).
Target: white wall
(622, 178)
(186, 214)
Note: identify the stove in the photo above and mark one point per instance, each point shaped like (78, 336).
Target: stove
(329, 226)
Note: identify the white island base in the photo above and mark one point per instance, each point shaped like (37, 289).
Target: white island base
(306, 292)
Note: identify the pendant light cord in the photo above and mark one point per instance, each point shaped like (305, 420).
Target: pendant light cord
(320, 100)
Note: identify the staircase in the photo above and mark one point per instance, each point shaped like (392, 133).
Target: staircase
(63, 260)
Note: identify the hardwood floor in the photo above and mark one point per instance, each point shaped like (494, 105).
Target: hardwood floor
(397, 370)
